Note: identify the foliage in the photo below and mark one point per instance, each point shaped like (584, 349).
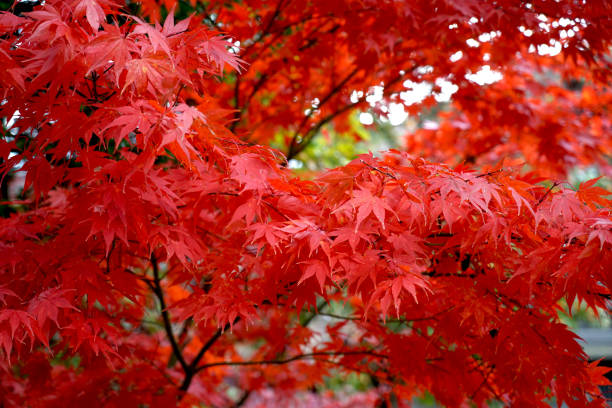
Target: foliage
(161, 254)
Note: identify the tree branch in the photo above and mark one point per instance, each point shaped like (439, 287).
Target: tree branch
(291, 359)
(191, 369)
(555, 184)
(320, 306)
(294, 145)
(242, 399)
(157, 289)
(297, 147)
(264, 33)
(400, 320)
(267, 29)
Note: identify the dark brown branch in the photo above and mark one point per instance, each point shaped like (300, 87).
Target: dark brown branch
(555, 184)
(267, 29)
(238, 112)
(277, 210)
(108, 69)
(108, 256)
(312, 41)
(403, 320)
(291, 359)
(385, 173)
(207, 346)
(294, 140)
(242, 399)
(264, 33)
(606, 296)
(157, 289)
(490, 173)
(485, 379)
(320, 306)
(339, 317)
(260, 82)
(210, 20)
(297, 147)
(191, 369)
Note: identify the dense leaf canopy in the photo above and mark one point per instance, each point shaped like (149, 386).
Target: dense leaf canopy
(162, 254)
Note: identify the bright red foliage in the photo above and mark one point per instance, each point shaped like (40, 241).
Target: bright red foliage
(162, 255)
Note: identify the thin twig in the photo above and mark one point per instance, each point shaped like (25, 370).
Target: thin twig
(295, 148)
(264, 33)
(337, 88)
(242, 399)
(555, 184)
(319, 306)
(291, 359)
(490, 173)
(379, 170)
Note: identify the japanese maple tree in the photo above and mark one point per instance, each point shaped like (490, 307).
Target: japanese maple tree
(162, 254)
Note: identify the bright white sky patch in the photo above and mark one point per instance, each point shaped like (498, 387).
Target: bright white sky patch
(417, 91)
(430, 125)
(375, 94)
(526, 32)
(472, 42)
(356, 95)
(295, 164)
(551, 50)
(456, 56)
(447, 89)
(484, 37)
(397, 115)
(426, 69)
(485, 76)
(234, 47)
(366, 118)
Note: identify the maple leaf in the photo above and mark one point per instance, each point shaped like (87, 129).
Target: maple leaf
(156, 37)
(592, 195)
(272, 234)
(366, 203)
(93, 11)
(348, 233)
(315, 268)
(250, 171)
(47, 304)
(409, 281)
(300, 229)
(151, 70)
(170, 29)
(16, 319)
(598, 373)
(111, 44)
(215, 48)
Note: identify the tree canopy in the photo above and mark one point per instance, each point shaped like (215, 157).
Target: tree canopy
(163, 253)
